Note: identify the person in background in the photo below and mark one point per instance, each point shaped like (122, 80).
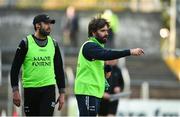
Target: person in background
(40, 56)
(116, 82)
(70, 25)
(107, 72)
(90, 80)
(113, 20)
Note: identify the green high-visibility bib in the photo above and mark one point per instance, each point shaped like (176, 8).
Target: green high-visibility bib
(38, 66)
(90, 79)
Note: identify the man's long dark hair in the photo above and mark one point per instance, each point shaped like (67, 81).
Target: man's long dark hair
(96, 24)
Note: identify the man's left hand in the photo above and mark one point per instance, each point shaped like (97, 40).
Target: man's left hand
(61, 101)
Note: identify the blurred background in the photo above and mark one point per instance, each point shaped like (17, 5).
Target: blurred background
(152, 82)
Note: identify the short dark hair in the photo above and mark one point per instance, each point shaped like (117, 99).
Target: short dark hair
(35, 27)
(96, 24)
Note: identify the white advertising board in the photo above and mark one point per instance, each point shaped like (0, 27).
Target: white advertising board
(148, 108)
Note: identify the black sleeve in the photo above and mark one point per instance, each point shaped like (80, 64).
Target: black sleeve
(119, 81)
(107, 68)
(93, 51)
(59, 71)
(17, 62)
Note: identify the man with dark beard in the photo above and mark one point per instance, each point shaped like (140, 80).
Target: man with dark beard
(42, 64)
(90, 79)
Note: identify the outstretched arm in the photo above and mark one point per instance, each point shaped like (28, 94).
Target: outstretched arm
(93, 51)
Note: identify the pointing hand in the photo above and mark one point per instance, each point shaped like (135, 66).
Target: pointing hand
(137, 51)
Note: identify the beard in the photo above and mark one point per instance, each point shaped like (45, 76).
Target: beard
(43, 32)
(102, 39)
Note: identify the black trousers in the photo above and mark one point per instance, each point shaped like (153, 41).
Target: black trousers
(107, 107)
(39, 101)
(88, 105)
